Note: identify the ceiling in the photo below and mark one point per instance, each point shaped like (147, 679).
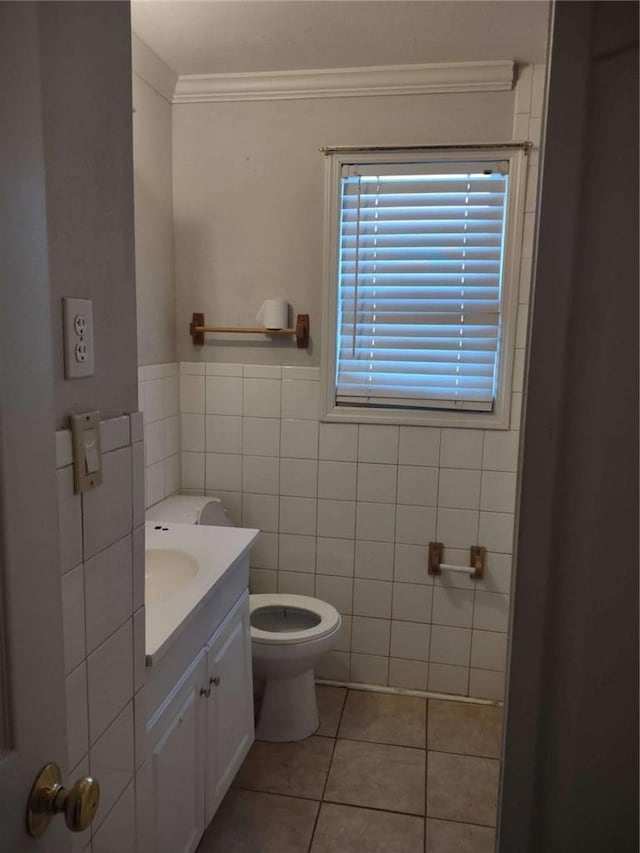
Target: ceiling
(231, 36)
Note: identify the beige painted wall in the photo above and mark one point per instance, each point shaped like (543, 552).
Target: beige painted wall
(155, 277)
(248, 189)
(85, 65)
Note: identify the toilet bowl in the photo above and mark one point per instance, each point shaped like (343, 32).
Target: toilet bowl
(289, 635)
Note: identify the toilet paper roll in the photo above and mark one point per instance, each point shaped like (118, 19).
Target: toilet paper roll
(274, 314)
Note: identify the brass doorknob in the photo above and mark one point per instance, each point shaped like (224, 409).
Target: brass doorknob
(48, 798)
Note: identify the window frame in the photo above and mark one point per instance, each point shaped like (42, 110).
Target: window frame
(499, 418)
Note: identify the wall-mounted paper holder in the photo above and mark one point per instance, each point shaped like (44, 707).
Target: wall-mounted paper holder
(197, 330)
(477, 561)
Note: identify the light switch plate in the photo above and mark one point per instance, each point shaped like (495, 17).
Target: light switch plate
(78, 338)
(87, 451)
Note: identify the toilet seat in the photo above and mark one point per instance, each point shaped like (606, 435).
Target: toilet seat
(329, 618)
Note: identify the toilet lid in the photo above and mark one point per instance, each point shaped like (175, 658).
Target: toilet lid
(328, 618)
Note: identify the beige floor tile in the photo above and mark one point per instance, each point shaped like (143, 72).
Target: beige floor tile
(384, 718)
(466, 728)
(444, 836)
(298, 769)
(252, 822)
(330, 704)
(345, 829)
(377, 775)
(462, 787)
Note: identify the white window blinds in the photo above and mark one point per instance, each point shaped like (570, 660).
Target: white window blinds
(420, 267)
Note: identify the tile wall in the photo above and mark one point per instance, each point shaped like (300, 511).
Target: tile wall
(158, 399)
(102, 566)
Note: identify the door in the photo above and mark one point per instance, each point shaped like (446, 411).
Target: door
(230, 730)
(177, 767)
(32, 702)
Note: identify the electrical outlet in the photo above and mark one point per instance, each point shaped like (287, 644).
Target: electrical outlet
(78, 338)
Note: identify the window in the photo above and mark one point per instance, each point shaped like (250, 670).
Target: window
(420, 302)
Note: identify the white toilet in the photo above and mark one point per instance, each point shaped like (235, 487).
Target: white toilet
(289, 635)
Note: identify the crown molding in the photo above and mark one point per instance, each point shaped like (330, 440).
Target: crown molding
(148, 66)
(347, 82)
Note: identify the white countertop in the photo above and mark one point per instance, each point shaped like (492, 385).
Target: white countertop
(215, 549)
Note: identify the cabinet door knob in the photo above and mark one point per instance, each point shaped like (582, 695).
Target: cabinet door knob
(215, 680)
(205, 691)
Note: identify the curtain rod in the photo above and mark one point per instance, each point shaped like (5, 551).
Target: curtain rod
(373, 149)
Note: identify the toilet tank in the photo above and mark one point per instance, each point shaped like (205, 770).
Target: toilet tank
(190, 509)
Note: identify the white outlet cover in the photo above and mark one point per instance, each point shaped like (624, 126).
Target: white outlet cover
(78, 337)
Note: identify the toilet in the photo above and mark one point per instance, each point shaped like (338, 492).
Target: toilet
(289, 635)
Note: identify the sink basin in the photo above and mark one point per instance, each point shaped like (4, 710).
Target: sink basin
(166, 572)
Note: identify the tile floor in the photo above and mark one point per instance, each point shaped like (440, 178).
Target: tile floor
(383, 774)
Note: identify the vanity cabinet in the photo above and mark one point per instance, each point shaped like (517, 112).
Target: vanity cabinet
(200, 735)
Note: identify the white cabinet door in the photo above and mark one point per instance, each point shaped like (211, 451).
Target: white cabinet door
(230, 730)
(177, 766)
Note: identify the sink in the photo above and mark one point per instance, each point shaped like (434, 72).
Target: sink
(166, 572)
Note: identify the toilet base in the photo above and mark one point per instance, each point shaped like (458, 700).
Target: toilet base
(289, 709)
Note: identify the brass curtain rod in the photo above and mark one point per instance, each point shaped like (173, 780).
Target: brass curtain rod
(374, 149)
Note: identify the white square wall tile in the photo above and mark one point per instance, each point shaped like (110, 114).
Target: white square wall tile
(336, 519)
(336, 591)
(112, 761)
(191, 368)
(484, 684)
(457, 528)
(415, 525)
(417, 485)
(334, 666)
(498, 491)
(171, 475)
(263, 581)
(223, 471)
(77, 724)
(372, 598)
(261, 474)
(453, 607)
(299, 477)
(450, 645)
(231, 503)
(137, 566)
(106, 509)
(335, 556)
(501, 450)
(461, 448)
(419, 446)
(192, 433)
(369, 669)
(296, 583)
(221, 369)
(108, 591)
(262, 371)
(110, 679)
(153, 400)
(370, 636)
(489, 650)
(261, 398)
(154, 483)
(410, 640)
(410, 564)
(412, 602)
(377, 483)
(117, 832)
(298, 515)
(115, 433)
(297, 553)
(69, 520)
(375, 522)
(73, 618)
(459, 488)
(260, 511)
(264, 552)
(261, 436)
(337, 480)
(491, 611)
(497, 576)
(223, 434)
(343, 637)
(299, 439)
(496, 531)
(192, 465)
(374, 560)
(170, 396)
(408, 674)
(192, 394)
(301, 399)
(171, 435)
(448, 679)
(293, 372)
(378, 444)
(339, 442)
(223, 395)
(154, 442)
